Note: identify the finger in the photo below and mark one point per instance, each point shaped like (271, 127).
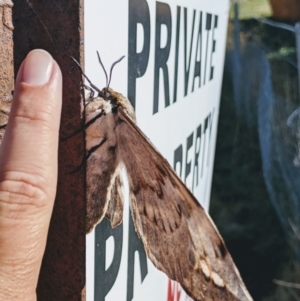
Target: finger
(28, 174)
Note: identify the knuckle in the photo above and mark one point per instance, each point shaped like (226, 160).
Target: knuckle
(40, 118)
(21, 195)
(26, 113)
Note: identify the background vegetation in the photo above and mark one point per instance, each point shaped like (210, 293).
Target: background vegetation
(261, 64)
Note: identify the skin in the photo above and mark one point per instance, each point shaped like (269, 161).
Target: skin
(28, 174)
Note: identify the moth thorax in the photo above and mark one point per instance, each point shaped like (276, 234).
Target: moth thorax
(97, 105)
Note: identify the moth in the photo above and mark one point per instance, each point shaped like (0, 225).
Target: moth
(179, 237)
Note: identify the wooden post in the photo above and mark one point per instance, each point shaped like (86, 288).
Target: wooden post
(57, 26)
(6, 62)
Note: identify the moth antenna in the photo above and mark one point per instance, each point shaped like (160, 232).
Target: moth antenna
(102, 67)
(92, 85)
(112, 67)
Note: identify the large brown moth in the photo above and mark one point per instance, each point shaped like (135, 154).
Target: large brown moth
(178, 235)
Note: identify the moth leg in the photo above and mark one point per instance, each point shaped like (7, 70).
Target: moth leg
(89, 81)
(99, 115)
(91, 95)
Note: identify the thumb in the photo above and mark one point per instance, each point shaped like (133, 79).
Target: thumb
(28, 174)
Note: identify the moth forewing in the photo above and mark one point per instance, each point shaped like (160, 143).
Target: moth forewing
(165, 213)
(102, 161)
(179, 237)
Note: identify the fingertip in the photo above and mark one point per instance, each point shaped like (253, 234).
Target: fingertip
(38, 85)
(37, 67)
(33, 127)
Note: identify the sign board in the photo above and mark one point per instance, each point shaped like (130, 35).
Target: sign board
(172, 74)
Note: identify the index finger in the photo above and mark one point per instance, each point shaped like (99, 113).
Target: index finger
(28, 174)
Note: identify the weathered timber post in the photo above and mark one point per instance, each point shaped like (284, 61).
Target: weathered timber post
(6, 61)
(56, 26)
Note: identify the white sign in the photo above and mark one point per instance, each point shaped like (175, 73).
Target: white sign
(172, 74)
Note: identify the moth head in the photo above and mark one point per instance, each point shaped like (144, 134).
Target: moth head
(119, 100)
(107, 100)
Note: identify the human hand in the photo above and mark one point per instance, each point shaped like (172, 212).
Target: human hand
(28, 174)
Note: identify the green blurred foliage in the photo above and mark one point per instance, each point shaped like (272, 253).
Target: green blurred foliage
(253, 8)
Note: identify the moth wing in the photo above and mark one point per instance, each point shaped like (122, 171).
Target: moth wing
(116, 203)
(179, 237)
(103, 173)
